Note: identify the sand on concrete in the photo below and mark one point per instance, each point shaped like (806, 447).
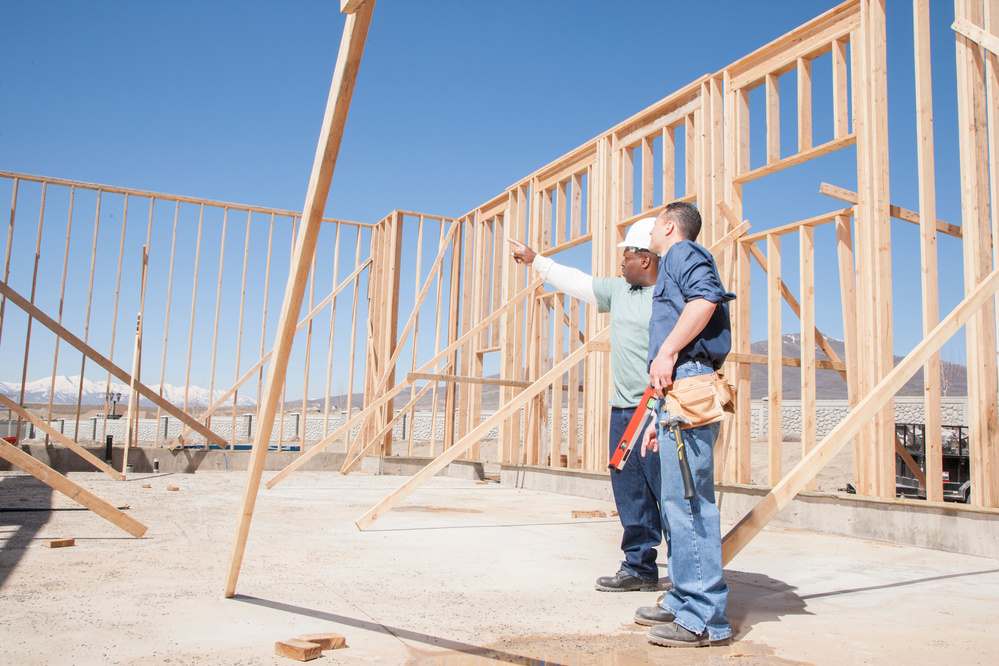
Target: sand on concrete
(461, 572)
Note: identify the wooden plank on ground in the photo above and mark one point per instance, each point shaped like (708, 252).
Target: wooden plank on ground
(59, 543)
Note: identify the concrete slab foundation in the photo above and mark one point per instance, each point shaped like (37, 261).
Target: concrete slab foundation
(461, 572)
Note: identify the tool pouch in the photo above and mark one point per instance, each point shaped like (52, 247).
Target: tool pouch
(701, 400)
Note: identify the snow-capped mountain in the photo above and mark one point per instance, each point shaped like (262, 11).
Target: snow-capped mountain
(67, 389)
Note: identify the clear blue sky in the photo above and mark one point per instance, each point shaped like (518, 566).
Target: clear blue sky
(455, 101)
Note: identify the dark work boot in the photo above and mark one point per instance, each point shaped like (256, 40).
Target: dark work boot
(625, 582)
(673, 635)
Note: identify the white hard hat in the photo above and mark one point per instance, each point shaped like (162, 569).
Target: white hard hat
(640, 234)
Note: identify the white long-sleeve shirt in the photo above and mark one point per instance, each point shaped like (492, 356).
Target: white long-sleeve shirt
(571, 281)
(630, 309)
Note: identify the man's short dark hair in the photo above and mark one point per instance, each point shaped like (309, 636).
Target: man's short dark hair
(686, 217)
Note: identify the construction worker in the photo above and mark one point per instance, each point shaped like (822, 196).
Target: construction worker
(689, 335)
(629, 301)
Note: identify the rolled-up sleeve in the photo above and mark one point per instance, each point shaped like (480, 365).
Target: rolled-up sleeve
(697, 276)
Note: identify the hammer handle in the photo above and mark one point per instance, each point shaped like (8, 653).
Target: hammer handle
(681, 452)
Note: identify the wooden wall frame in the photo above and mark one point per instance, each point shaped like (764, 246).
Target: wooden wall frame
(491, 316)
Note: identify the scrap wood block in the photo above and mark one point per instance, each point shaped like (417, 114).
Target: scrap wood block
(297, 649)
(59, 543)
(328, 641)
(589, 514)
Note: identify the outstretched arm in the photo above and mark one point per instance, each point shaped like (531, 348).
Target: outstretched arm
(570, 281)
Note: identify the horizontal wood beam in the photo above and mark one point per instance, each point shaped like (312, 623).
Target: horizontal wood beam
(350, 464)
(179, 440)
(555, 249)
(825, 218)
(757, 254)
(895, 211)
(786, 361)
(576, 167)
(673, 118)
(162, 196)
(398, 388)
(464, 379)
(807, 41)
(804, 156)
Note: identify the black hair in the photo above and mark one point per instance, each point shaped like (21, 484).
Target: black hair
(686, 217)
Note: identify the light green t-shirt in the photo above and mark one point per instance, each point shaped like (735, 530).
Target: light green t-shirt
(630, 311)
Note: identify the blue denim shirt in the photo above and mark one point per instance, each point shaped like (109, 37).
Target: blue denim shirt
(687, 272)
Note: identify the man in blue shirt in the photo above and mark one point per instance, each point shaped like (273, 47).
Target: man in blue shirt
(629, 301)
(689, 335)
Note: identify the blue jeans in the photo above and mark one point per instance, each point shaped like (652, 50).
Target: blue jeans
(699, 598)
(636, 494)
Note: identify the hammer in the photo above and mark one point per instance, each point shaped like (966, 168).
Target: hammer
(673, 421)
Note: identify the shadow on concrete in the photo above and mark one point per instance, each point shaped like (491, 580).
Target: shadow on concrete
(903, 583)
(28, 507)
(754, 598)
(402, 634)
(486, 526)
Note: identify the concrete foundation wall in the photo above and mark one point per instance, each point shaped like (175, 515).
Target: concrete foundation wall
(941, 526)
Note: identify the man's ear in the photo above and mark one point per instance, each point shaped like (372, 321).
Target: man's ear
(670, 226)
